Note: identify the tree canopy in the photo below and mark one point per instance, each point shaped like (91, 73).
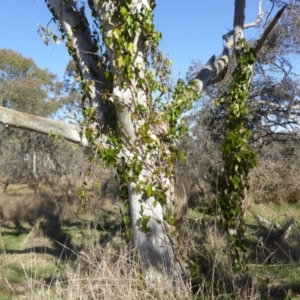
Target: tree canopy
(27, 88)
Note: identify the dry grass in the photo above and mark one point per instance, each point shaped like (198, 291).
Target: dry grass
(205, 248)
(51, 252)
(101, 273)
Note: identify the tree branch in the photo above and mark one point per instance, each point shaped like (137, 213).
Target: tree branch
(215, 69)
(269, 28)
(284, 231)
(276, 105)
(259, 19)
(21, 120)
(84, 51)
(239, 18)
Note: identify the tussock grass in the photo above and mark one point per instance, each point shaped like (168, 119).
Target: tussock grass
(53, 252)
(100, 273)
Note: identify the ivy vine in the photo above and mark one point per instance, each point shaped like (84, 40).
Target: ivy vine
(238, 157)
(120, 41)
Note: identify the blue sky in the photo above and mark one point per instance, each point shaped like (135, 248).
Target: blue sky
(192, 29)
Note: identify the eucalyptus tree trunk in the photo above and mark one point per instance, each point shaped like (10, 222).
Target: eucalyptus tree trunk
(118, 72)
(150, 188)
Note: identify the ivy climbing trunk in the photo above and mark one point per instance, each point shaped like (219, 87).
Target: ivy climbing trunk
(143, 158)
(237, 155)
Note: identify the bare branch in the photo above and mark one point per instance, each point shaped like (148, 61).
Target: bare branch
(259, 19)
(265, 102)
(268, 223)
(84, 51)
(284, 231)
(272, 24)
(215, 69)
(239, 18)
(21, 120)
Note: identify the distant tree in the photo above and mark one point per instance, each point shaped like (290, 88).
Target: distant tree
(122, 72)
(27, 88)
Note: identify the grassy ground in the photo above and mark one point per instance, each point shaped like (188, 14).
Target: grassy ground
(49, 251)
(41, 235)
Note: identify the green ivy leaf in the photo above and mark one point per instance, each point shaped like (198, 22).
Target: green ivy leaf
(127, 208)
(126, 220)
(169, 219)
(123, 11)
(117, 33)
(149, 191)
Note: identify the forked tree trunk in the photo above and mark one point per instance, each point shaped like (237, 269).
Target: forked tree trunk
(152, 238)
(157, 251)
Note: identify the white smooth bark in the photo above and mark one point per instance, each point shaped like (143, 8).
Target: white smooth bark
(34, 165)
(9, 117)
(156, 247)
(216, 68)
(85, 52)
(157, 253)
